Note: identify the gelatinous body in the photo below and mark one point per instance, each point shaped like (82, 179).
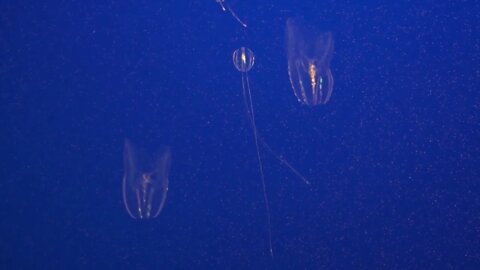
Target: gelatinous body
(309, 54)
(145, 181)
(243, 59)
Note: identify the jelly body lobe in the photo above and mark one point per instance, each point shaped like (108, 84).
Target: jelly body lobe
(145, 181)
(309, 54)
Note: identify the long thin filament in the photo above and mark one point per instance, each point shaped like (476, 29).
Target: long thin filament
(280, 158)
(283, 161)
(225, 7)
(249, 106)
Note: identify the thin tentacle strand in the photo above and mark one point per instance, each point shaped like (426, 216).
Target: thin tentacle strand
(249, 107)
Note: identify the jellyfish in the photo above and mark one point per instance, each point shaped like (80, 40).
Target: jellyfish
(309, 54)
(145, 180)
(244, 59)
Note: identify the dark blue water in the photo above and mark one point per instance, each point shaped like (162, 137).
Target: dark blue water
(393, 157)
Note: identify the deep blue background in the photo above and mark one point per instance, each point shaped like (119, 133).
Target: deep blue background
(393, 157)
